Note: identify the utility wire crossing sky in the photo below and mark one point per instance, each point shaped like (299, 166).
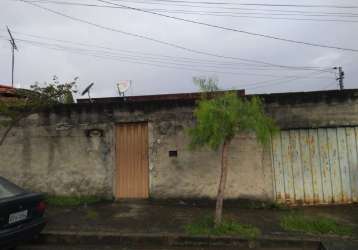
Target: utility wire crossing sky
(261, 47)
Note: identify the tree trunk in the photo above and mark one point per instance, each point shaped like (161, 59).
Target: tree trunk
(222, 184)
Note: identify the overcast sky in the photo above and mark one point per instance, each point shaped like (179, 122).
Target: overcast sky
(104, 56)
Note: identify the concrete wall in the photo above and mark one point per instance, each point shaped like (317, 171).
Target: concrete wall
(55, 152)
(58, 158)
(195, 174)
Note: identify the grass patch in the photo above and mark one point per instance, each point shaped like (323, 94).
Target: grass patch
(206, 226)
(91, 215)
(317, 225)
(70, 201)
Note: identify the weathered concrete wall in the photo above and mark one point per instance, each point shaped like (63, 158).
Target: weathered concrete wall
(55, 153)
(314, 109)
(195, 174)
(58, 158)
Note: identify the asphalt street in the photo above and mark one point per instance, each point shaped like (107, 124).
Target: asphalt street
(102, 247)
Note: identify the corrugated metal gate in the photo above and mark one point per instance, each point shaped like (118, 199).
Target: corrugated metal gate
(316, 166)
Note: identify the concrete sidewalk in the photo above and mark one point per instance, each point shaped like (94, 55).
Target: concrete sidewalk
(170, 217)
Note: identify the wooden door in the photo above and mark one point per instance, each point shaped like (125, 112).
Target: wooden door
(132, 177)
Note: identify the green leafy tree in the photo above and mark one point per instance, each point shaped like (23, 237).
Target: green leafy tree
(219, 117)
(26, 102)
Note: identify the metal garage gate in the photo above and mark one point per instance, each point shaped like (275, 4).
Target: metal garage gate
(316, 166)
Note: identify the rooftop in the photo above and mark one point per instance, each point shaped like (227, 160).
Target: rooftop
(145, 98)
(190, 98)
(6, 90)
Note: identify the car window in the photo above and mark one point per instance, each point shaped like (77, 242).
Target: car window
(8, 189)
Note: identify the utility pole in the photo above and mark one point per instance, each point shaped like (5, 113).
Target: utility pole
(13, 47)
(340, 77)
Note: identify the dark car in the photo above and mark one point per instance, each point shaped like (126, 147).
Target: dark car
(21, 214)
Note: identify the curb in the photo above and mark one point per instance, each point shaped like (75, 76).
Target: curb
(76, 238)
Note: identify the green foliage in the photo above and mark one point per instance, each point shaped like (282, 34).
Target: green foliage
(72, 201)
(54, 93)
(27, 102)
(206, 226)
(206, 84)
(37, 98)
(317, 225)
(91, 214)
(220, 118)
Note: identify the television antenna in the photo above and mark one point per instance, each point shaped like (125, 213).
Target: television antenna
(123, 86)
(13, 48)
(87, 91)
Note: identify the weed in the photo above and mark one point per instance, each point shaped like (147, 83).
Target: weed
(317, 225)
(91, 215)
(206, 226)
(64, 201)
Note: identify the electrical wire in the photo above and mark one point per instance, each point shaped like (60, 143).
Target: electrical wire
(135, 60)
(142, 62)
(105, 54)
(263, 11)
(234, 30)
(261, 4)
(281, 81)
(248, 66)
(271, 82)
(330, 85)
(161, 41)
(252, 15)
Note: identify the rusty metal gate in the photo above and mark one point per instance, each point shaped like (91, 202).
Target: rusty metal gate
(132, 177)
(316, 166)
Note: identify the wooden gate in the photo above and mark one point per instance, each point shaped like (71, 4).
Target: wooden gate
(132, 177)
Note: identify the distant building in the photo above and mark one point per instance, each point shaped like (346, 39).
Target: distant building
(7, 91)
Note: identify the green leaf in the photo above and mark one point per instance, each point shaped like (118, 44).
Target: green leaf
(220, 118)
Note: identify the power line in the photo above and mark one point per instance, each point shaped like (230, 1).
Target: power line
(195, 6)
(190, 21)
(279, 81)
(119, 56)
(275, 81)
(154, 55)
(253, 15)
(136, 61)
(232, 29)
(264, 4)
(161, 56)
(303, 5)
(329, 85)
(155, 63)
(163, 42)
(263, 11)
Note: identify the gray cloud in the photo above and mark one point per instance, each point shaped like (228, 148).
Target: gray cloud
(39, 64)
